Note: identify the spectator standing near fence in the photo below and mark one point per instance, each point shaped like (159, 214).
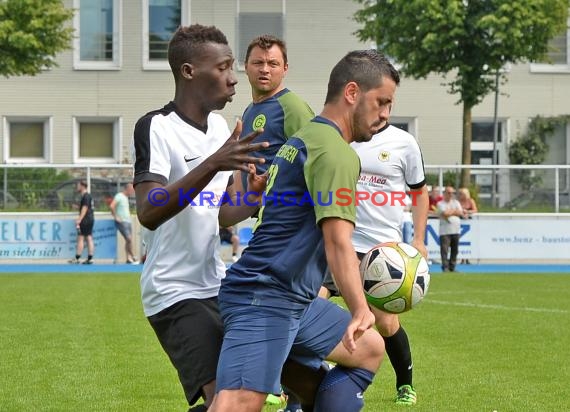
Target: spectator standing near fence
(122, 214)
(450, 213)
(467, 203)
(434, 198)
(84, 224)
(469, 208)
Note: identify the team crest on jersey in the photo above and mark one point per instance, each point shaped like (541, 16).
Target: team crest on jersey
(384, 156)
(259, 121)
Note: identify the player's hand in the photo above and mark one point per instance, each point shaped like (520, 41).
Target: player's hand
(360, 323)
(418, 244)
(256, 183)
(235, 152)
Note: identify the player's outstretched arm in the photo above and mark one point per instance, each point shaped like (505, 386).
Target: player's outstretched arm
(157, 203)
(342, 260)
(420, 211)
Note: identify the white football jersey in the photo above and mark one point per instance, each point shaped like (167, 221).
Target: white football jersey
(183, 259)
(391, 165)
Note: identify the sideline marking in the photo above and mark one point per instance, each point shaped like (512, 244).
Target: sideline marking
(484, 306)
(68, 268)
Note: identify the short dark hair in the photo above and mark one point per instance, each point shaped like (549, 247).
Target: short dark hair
(265, 42)
(83, 183)
(187, 41)
(364, 67)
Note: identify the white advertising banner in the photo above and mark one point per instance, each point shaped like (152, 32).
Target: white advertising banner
(513, 236)
(51, 236)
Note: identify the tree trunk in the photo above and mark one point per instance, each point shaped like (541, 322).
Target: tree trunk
(466, 150)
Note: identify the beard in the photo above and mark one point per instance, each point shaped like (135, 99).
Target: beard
(361, 130)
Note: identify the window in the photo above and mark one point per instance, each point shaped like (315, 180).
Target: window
(27, 140)
(558, 57)
(559, 50)
(558, 147)
(96, 140)
(161, 18)
(482, 141)
(482, 132)
(483, 157)
(97, 44)
(257, 17)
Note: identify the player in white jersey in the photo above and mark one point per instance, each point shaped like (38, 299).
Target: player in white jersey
(183, 169)
(391, 166)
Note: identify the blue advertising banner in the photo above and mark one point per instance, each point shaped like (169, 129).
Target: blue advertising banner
(44, 238)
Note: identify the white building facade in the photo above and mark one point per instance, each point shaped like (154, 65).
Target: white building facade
(84, 111)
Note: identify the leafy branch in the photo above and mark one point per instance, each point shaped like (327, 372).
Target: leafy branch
(531, 149)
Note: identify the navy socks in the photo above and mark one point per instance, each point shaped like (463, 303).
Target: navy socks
(342, 390)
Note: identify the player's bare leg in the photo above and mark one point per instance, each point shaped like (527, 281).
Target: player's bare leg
(248, 401)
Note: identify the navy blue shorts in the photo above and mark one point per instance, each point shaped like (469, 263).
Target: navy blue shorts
(258, 340)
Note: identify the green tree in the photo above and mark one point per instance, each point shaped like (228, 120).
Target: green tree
(30, 186)
(32, 32)
(470, 40)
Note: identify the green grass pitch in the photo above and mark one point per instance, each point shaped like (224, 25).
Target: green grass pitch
(481, 342)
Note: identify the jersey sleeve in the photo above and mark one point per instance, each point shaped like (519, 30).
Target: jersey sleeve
(152, 157)
(331, 182)
(297, 113)
(414, 173)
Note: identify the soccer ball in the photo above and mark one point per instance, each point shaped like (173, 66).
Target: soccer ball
(396, 277)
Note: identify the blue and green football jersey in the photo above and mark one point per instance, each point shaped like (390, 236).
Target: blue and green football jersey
(280, 116)
(285, 262)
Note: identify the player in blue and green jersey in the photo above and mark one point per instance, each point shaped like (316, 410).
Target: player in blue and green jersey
(276, 109)
(268, 298)
(280, 113)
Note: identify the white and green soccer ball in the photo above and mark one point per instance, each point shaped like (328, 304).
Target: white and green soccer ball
(395, 275)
